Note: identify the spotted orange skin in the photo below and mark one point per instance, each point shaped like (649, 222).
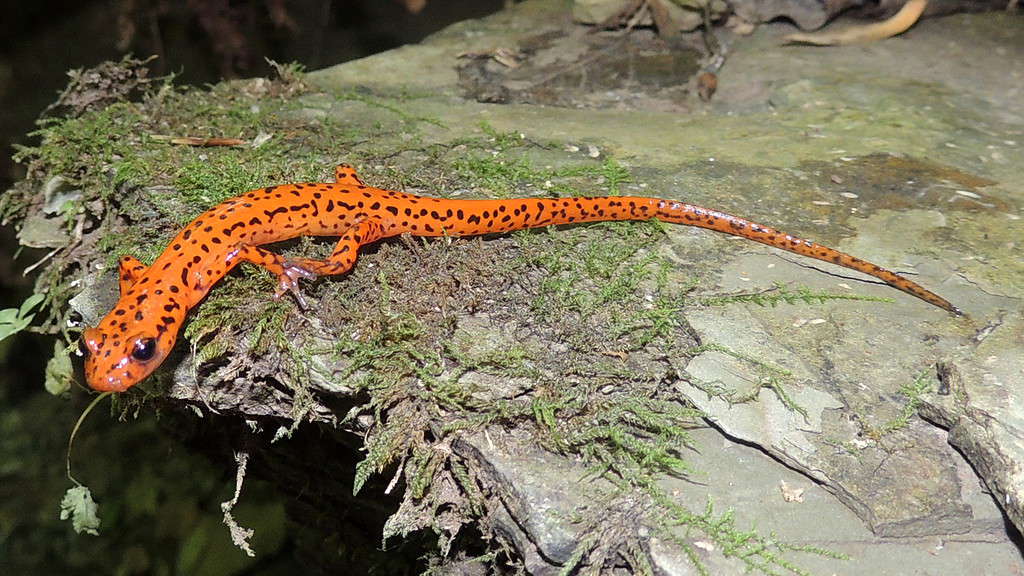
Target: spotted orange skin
(155, 300)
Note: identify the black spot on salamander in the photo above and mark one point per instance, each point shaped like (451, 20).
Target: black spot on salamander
(255, 221)
(428, 228)
(393, 210)
(298, 207)
(174, 288)
(184, 277)
(119, 312)
(375, 206)
(279, 210)
(330, 205)
(138, 316)
(187, 234)
(167, 320)
(215, 240)
(460, 215)
(204, 248)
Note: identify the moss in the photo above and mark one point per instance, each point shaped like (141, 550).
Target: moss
(782, 294)
(913, 391)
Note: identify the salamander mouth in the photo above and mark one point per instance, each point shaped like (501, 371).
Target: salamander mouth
(109, 384)
(97, 380)
(106, 380)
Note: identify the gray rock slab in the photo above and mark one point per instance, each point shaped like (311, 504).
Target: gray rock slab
(544, 496)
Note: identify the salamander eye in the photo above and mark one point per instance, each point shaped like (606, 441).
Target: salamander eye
(144, 349)
(83, 347)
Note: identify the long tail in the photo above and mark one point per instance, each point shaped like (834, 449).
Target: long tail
(473, 217)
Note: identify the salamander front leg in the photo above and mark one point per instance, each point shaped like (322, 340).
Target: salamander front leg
(346, 174)
(129, 269)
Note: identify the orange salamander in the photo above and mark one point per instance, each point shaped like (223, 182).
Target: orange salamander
(136, 336)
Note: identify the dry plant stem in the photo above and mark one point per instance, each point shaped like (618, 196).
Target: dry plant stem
(897, 24)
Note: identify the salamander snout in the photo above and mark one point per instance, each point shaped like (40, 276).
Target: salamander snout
(113, 363)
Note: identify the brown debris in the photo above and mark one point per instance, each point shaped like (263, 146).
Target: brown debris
(99, 87)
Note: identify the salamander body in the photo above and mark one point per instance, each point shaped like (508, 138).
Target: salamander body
(135, 337)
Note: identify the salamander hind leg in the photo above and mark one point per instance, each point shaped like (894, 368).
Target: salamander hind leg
(343, 257)
(129, 269)
(346, 174)
(290, 270)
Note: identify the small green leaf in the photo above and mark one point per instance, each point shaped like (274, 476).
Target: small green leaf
(8, 315)
(81, 508)
(59, 373)
(363, 472)
(14, 320)
(30, 303)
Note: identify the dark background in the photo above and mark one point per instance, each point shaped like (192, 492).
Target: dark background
(200, 42)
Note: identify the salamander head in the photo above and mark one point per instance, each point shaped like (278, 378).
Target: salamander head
(120, 354)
